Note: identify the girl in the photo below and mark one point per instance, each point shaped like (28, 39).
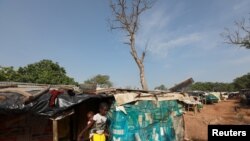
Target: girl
(98, 124)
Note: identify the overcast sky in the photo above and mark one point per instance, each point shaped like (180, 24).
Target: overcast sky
(183, 37)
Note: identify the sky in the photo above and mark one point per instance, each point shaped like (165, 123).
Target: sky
(183, 37)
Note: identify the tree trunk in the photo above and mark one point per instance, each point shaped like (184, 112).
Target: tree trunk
(139, 62)
(142, 77)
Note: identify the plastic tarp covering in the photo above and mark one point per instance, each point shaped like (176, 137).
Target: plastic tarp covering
(147, 121)
(217, 94)
(13, 103)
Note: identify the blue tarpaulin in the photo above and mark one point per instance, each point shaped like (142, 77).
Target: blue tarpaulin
(147, 121)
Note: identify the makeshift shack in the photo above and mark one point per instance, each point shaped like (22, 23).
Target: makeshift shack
(59, 114)
(50, 114)
(146, 117)
(217, 94)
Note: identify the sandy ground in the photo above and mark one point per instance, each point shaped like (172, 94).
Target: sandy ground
(219, 113)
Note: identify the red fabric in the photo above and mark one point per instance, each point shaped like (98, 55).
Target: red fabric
(54, 95)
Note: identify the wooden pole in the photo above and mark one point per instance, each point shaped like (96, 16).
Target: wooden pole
(55, 130)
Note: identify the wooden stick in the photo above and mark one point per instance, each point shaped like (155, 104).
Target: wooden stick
(8, 86)
(15, 90)
(37, 95)
(55, 130)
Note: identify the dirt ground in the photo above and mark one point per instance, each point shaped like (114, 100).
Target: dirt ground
(223, 112)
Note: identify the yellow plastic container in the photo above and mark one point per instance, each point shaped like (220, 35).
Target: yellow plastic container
(98, 137)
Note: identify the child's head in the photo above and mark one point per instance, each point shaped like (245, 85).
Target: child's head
(90, 115)
(103, 108)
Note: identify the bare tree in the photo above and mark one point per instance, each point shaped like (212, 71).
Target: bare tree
(125, 16)
(240, 36)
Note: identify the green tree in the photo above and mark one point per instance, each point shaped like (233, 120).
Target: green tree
(44, 72)
(242, 82)
(161, 87)
(8, 74)
(100, 80)
(212, 86)
(223, 87)
(202, 86)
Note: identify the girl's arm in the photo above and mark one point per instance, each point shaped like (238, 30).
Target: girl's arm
(85, 129)
(106, 131)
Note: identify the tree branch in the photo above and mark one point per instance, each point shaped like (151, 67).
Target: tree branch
(241, 24)
(126, 16)
(241, 36)
(144, 53)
